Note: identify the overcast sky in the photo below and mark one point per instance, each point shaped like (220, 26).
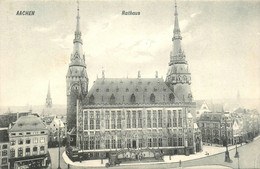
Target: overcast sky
(221, 41)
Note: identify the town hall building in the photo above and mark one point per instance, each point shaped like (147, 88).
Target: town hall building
(132, 117)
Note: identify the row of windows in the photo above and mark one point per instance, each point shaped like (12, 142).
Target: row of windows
(28, 141)
(130, 113)
(28, 133)
(127, 90)
(130, 143)
(27, 151)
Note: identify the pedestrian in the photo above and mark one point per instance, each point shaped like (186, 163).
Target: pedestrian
(180, 163)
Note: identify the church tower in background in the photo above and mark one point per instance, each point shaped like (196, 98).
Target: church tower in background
(178, 77)
(77, 78)
(48, 103)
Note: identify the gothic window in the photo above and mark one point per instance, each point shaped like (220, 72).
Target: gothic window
(154, 142)
(140, 119)
(159, 118)
(128, 120)
(149, 142)
(119, 143)
(180, 142)
(112, 99)
(148, 118)
(160, 142)
(113, 144)
(169, 123)
(154, 119)
(107, 144)
(97, 120)
(97, 144)
(119, 119)
(152, 98)
(85, 120)
(128, 143)
(171, 97)
(134, 119)
(170, 142)
(132, 98)
(92, 143)
(92, 99)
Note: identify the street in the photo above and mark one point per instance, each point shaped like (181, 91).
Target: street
(54, 153)
(249, 158)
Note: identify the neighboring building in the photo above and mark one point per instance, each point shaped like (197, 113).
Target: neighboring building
(141, 115)
(201, 107)
(28, 142)
(4, 148)
(214, 126)
(56, 127)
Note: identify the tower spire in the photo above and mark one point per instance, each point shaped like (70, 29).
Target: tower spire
(77, 32)
(48, 98)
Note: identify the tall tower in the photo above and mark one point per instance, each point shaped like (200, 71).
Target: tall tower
(48, 103)
(77, 78)
(178, 77)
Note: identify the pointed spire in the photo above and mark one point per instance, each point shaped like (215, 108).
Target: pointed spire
(103, 73)
(48, 98)
(77, 32)
(176, 31)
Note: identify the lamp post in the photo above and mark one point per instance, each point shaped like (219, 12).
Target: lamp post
(227, 158)
(237, 156)
(59, 146)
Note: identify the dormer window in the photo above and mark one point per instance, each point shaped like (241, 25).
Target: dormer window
(155, 89)
(117, 89)
(145, 89)
(136, 90)
(127, 90)
(92, 99)
(112, 99)
(132, 99)
(107, 90)
(171, 97)
(97, 90)
(152, 98)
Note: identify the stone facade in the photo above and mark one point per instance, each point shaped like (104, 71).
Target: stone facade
(134, 117)
(28, 142)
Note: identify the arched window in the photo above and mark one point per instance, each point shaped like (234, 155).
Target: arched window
(92, 99)
(152, 98)
(132, 99)
(112, 99)
(171, 97)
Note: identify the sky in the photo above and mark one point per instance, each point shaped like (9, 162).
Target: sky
(221, 41)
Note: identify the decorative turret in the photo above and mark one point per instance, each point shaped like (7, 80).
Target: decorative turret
(178, 77)
(77, 78)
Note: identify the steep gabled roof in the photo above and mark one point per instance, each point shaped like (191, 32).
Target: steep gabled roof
(129, 91)
(28, 123)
